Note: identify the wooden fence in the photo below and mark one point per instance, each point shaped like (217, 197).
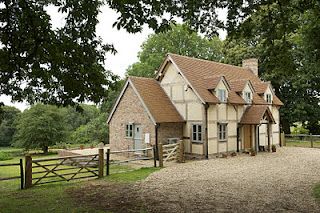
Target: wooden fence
(171, 152)
(302, 140)
(21, 176)
(138, 155)
(42, 171)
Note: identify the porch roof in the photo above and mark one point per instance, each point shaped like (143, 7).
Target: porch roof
(255, 113)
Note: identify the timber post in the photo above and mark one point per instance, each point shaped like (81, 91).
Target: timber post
(181, 151)
(155, 155)
(21, 174)
(101, 162)
(28, 174)
(108, 162)
(311, 140)
(160, 154)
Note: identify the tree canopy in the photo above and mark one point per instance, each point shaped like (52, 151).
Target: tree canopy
(180, 40)
(7, 124)
(39, 127)
(39, 63)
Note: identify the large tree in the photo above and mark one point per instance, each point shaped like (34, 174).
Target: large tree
(39, 63)
(7, 124)
(180, 40)
(283, 36)
(40, 127)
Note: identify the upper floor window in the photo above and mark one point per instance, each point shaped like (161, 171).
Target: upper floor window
(222, 132)
(247, 97)
(268, 98)
(196, 133)
(222, 95)
(129, 130)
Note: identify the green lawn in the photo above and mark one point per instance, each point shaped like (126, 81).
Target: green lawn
(307, 144)
(53, 197)
(316, 191)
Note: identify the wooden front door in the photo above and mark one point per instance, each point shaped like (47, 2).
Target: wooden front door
(247, 136)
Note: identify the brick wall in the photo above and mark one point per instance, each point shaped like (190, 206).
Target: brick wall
(169, 130)
(130, 109)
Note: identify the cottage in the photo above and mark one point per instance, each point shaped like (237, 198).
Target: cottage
(213, 107)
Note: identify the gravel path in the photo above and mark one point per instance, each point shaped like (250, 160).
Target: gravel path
(268, 182)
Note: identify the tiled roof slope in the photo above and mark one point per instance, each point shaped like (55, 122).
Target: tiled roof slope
(195, 70)
(156, 100)
(254, 114)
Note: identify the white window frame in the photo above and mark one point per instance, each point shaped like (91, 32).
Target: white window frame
(196, 133)
(222, 95)
(128, 131)
(222, 131)
(269, 100)
(248, 97)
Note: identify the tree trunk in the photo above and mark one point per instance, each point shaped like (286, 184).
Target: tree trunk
(45, 149)
(285, 126)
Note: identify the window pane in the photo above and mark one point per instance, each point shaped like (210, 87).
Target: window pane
(199, 128)
(194, 136)
(199, 137)
(194, 128)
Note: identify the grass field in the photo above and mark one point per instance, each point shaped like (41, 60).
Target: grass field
(316, 191)
(307, 144)
(54, 197)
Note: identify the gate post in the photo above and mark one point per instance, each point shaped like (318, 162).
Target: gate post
(21, 174)
(160, 150)
(181, 151)
(108, 161)
(28, 175)
(101, 162)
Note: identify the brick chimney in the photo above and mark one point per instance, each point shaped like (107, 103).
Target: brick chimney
(252, 64)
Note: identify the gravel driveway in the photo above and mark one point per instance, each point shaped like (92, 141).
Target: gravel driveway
(268, 182)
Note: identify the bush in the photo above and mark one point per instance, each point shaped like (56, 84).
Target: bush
(5, 156)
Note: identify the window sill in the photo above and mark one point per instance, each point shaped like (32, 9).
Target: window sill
(222, 141)
(197, 142)
(128, 137)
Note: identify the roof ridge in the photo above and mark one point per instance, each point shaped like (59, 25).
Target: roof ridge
(199, 59)
(146, 78)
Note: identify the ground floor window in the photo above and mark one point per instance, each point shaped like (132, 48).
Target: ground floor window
(222, 132)
(129, 130)
(197, 133)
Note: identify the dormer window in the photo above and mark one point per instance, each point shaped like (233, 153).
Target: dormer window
(222, 95)
(248, 97)
(268, 98)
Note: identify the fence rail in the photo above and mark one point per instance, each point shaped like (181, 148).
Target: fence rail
(142, 155)
(303, 140)
(21, 176)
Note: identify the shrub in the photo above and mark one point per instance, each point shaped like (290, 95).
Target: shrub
(5, 156)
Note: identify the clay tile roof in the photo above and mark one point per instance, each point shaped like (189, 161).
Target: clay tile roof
(237, 85)
(260, 87)
(156, 100)
(195, 70)
(234, 98)
(212, 82)
(277, 101)
(257, 99)
(254, 114)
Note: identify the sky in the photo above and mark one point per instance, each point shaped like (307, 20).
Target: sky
(126, 44)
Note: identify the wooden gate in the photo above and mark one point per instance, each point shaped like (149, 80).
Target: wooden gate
(170, 152)
(42, 171)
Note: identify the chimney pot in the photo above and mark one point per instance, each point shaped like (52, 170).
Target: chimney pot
(252, 64)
